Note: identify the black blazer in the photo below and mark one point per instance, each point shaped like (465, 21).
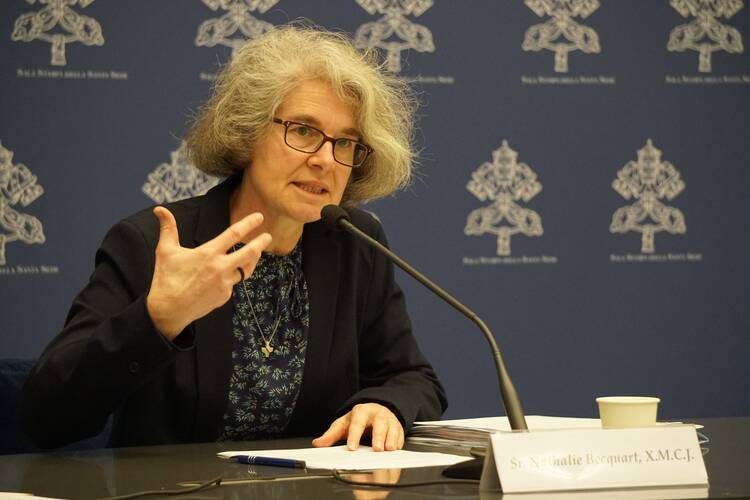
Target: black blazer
(109, 358)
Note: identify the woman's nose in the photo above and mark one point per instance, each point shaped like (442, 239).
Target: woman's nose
(323, 157)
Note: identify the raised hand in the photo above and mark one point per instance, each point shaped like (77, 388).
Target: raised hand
(189, 283)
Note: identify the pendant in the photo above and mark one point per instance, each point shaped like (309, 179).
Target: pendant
(267, 349)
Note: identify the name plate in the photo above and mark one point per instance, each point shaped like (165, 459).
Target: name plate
(582, 459)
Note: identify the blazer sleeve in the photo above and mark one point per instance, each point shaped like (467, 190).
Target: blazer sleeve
(393, 371)
(108, 348)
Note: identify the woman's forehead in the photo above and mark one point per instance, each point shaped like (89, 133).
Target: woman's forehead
(316, 102)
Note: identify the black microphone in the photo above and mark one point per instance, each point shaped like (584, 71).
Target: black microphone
(336, 218)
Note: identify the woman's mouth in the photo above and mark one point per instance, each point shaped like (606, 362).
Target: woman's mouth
(309, 188)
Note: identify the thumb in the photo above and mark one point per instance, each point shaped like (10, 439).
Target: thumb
(167, 227)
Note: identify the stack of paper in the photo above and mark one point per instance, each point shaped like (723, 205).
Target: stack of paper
(472, 432)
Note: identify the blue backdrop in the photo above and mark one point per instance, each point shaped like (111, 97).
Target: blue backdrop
(583, 176)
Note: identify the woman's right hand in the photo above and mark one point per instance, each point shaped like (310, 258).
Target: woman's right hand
(189, 283)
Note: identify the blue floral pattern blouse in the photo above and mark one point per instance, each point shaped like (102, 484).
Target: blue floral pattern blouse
(263, 389)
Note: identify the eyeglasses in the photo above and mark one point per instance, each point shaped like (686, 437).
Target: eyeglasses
(308, 139)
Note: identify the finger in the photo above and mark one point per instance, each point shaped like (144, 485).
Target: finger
(235, 233)
(357, 425)
(335, 432)
(395, 436)
(168, 235)
(247, 256)
(380, 429)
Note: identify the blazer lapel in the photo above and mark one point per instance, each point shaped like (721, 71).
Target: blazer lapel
(320, 262)
(213, 332)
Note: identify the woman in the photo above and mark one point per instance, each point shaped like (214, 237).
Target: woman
(236, 315)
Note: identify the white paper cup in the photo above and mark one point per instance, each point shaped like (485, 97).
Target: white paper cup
(627, 411)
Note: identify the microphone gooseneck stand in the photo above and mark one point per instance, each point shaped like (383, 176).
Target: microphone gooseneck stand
(336, 217)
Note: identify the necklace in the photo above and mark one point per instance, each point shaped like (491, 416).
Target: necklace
(267, 348)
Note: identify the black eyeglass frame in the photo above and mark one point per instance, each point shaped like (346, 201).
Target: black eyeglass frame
(326, 138)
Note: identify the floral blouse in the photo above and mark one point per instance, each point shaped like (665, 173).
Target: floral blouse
(265, 383)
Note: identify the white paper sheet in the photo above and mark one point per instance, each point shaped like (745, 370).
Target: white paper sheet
(364, 458)
(11, 495)
(535, 422)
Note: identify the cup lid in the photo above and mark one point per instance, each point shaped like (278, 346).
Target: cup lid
(627, 399)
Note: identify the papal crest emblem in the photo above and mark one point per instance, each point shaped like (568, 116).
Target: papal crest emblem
(705, 34)
(504, 182)
(177, 180)
(236, 26)
(561, 33)
(394, 32)
(648, 180)
(58, 24)
(18, 186)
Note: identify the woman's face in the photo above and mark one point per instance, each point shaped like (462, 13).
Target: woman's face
(289, 184)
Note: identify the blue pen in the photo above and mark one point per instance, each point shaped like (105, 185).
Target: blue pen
(273, 462)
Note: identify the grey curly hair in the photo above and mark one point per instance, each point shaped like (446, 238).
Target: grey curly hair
(252, 86)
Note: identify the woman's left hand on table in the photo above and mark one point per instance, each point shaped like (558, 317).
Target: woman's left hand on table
(384, 427)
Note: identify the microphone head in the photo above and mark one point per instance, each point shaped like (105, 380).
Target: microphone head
(332, 214)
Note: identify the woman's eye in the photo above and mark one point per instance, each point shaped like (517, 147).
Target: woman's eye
(301, 130)
(344, 143)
